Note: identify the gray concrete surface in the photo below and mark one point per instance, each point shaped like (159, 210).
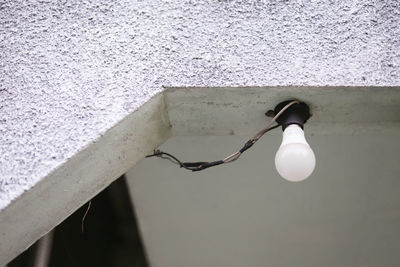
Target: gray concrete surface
(241, 111)
(72, 73)
(69, 71)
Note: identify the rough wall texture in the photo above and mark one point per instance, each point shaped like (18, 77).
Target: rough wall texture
(71, 70)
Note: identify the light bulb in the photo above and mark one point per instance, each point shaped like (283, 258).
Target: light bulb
(294, 160)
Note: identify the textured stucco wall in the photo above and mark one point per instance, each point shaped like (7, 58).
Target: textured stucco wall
(71, 70)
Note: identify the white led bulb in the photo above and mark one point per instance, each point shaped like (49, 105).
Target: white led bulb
(294, 160)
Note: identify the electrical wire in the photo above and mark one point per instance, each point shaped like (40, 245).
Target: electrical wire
(198, 166)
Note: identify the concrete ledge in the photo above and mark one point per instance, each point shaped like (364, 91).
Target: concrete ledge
(59, 194)
(240, 110)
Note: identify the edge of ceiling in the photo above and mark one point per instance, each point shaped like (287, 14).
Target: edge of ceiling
(241, 110)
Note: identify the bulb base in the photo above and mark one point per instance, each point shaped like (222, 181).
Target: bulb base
(297, 113)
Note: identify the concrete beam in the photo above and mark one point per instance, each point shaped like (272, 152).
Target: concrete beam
(84, 175)
(240, 110)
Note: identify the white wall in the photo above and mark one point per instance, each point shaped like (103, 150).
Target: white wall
(243, 214)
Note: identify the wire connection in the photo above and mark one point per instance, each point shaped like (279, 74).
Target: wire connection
(199, 166)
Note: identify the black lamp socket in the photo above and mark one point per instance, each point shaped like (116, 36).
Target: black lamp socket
(297, 113)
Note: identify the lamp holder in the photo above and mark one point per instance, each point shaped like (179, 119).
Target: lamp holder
(297, 113)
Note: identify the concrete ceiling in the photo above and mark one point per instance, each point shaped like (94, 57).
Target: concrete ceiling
(75, 78)
(70, 72)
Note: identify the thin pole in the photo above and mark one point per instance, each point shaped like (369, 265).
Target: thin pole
(43, 252)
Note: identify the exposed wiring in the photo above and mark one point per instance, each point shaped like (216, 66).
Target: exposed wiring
(198, 166)
(84, 216)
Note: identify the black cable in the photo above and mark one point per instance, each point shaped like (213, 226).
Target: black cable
(199, 166)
